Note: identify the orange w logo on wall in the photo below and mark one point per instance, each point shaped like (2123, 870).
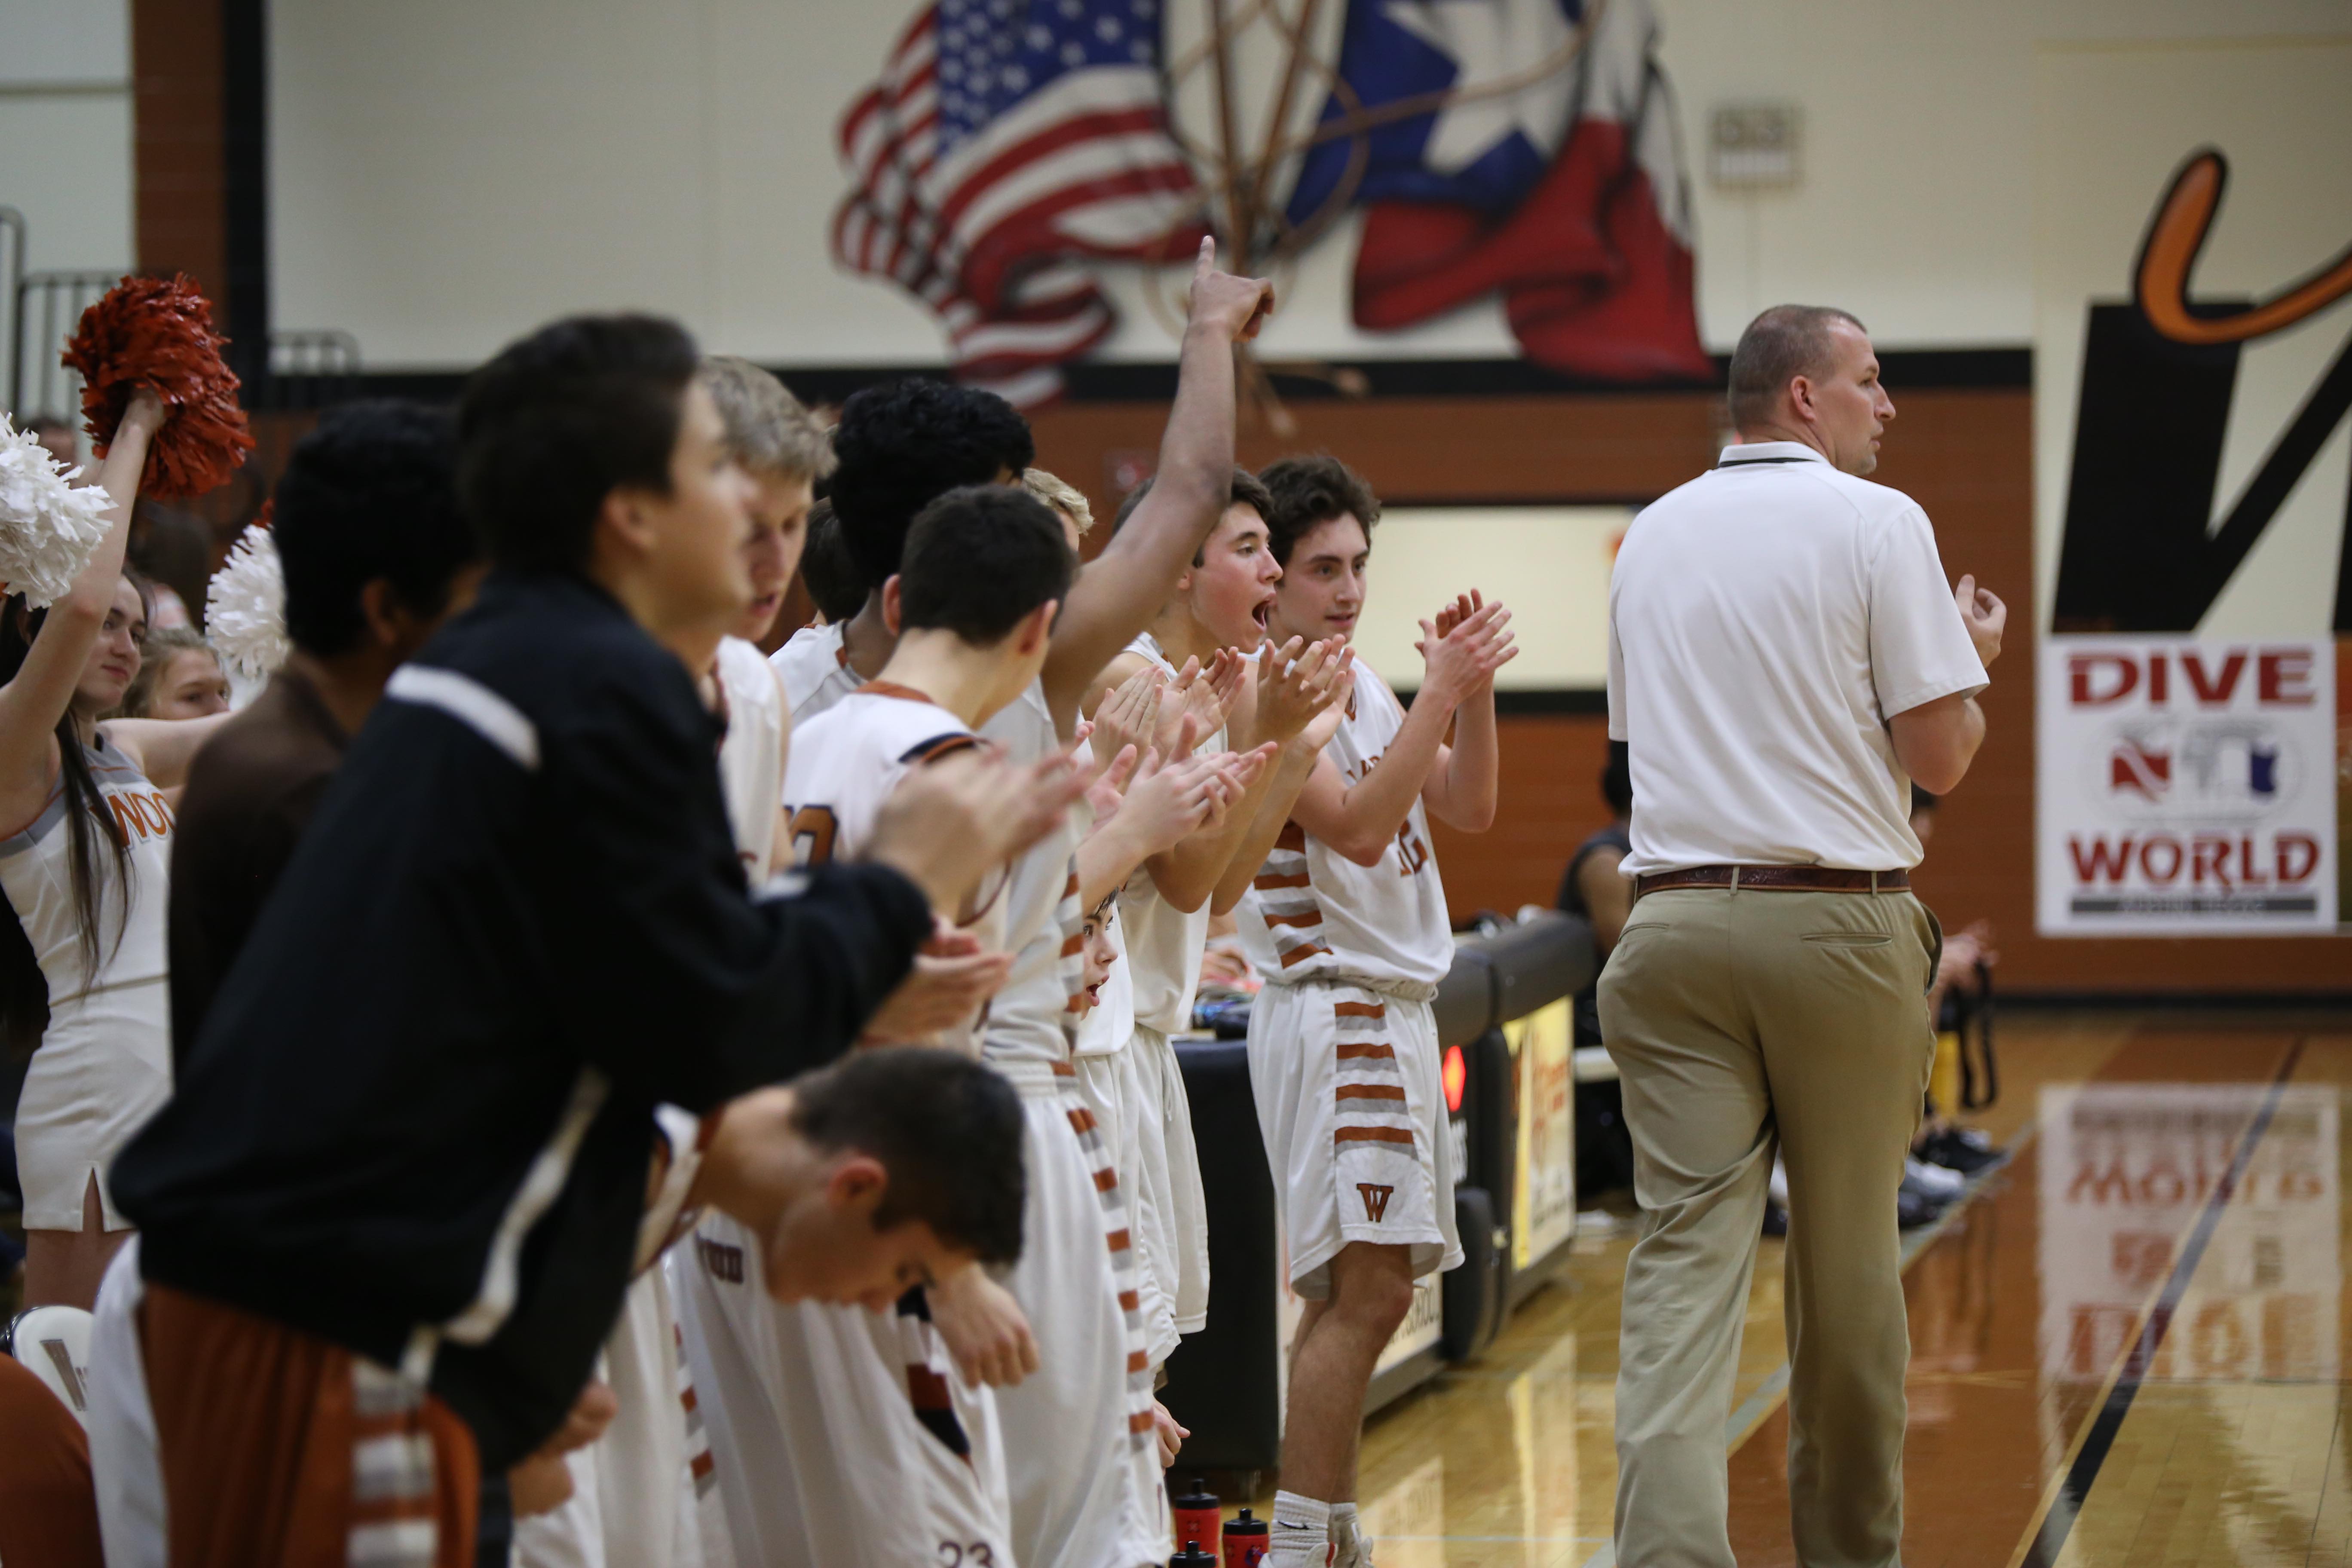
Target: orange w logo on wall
(2140, 551)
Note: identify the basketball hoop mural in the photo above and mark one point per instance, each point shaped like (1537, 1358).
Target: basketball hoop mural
(1524, 149)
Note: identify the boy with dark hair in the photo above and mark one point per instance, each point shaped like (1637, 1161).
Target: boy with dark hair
(376, 555)
(880, 1478)
(832, 577)
(899, 447)
(397, 1192)
(1283, 709)
(1347, 921)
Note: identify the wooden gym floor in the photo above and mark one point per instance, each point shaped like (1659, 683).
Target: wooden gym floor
(2127, 1346)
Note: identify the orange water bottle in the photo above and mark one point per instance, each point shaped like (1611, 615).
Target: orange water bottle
(1191, 1557)
(1198, 1517)
(1246, 1542)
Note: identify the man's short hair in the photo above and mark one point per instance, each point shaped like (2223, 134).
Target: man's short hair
(562, 419)
(947, 1130)
(371, 491)
(1244, 489)
(1310, 490)
(902, 445)
(769, 430)
(1784, 343)
(1059, 492)
(832, 577)
(978, 559)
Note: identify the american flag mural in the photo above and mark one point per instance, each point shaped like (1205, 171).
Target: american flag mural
(1008, 142)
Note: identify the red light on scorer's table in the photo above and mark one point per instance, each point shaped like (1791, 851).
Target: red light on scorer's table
(1457, 1077)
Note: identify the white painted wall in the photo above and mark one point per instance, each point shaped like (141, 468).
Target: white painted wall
(445, 174)
(65, 132)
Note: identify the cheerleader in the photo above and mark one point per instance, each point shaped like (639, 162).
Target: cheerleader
(83, 863)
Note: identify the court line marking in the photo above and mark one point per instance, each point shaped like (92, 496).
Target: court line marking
(2063, 1497)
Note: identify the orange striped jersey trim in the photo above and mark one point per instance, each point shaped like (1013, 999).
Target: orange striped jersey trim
(1373, 1135)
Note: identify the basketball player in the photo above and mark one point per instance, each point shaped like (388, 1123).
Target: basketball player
(985, 574)
(1084, 1490)
(1346, 920)
(784, 451)
(1216, 610)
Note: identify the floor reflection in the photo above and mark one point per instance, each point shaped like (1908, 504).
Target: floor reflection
(2222, 1440)
(2129, 1170)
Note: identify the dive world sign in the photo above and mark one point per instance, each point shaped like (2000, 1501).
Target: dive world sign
(2185, 787)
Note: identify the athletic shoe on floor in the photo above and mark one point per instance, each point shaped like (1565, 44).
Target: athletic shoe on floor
(1960, 1149)
(1934, 1180)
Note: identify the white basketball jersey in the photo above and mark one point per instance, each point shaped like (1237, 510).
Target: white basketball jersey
(847, 760)
(1313, 914)
(845, 764)
(1163, 943)
(1032, 1017)
(843, 1439)
(815, 668)
(752, 758)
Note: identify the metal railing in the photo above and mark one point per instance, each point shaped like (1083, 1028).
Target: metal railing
(39, 312)
(310, 369)
(47, 307)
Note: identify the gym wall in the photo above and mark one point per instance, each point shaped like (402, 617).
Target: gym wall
(442, 176)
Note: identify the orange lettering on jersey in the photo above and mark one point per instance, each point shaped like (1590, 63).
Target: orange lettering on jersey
(1412, 853)
(1376, 1201)
(813, 829)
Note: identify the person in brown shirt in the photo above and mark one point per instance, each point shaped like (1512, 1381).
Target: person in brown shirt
(377, 554)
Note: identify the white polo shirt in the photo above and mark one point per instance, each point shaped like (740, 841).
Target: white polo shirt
(1765, 621)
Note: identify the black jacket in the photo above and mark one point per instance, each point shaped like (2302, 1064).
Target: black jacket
(418, 1116)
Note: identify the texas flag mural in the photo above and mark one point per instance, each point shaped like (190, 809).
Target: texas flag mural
(1566, 195)
(1520, 146)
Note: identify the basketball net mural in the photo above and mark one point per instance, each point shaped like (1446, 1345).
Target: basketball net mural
(2188, 785)
(1524, 149)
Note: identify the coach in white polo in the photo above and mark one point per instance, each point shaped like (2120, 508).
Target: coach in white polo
(1785, 657)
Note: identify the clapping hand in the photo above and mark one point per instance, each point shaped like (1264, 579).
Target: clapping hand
(1462, 648)
(1297, 681)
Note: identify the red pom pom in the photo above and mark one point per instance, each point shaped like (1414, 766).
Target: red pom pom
(149, 332)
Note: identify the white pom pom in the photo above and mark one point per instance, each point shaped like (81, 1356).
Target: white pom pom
(245, 607)
(47, 527)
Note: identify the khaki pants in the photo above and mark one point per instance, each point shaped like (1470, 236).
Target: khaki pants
(1740, 1021)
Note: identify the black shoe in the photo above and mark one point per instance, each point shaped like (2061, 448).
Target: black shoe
(1915, 1207)
(1958, 1149)
(1776, 1219)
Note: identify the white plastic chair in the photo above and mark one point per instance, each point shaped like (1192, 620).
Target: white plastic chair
(55, 1342)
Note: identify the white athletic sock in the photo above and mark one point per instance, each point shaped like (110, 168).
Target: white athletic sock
(1349, 1547)
(1301, 1532)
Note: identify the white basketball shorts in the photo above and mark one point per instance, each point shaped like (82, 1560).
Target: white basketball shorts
(1349, 1100)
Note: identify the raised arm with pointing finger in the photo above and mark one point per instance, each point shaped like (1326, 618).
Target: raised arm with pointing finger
(1119, 594)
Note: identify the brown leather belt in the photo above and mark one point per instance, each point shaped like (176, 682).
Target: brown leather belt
(1775, 879)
